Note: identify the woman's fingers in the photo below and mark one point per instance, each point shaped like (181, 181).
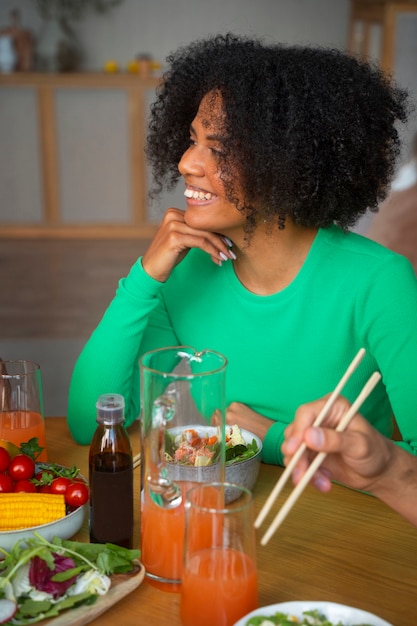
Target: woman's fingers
(172, 242)
(356, 457)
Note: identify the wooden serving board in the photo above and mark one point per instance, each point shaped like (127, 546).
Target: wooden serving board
(121, 585)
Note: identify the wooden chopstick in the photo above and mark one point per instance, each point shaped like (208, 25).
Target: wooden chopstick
(344, 422)
(137, 460)
(288, 470)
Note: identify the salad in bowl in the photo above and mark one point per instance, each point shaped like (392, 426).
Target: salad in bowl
(196, 449)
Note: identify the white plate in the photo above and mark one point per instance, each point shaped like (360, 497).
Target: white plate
(334, 612)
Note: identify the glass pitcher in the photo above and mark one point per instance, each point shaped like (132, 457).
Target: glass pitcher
(21, 404)
(183, 443)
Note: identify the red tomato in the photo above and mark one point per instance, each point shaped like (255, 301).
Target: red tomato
(6, 483)
(21, 467)
(60, 485)
(4, 459)
(44, 480)
(79, 479)
(76, 494)
(44, 489)
(24, 486)
(44, 475)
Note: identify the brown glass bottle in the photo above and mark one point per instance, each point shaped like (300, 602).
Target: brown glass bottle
(111, 475)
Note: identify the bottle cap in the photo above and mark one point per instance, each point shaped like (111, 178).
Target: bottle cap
(110, 408)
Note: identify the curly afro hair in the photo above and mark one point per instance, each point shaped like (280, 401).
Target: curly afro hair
(310, 130)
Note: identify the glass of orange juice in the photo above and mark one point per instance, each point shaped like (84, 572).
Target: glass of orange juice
(183, 443)
(21, 404)
(219, 582)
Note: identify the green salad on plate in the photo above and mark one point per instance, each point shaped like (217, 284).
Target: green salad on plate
(310, 618)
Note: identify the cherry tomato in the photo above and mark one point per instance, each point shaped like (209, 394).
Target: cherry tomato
(6, 483)
(79, 479)
(60, 485)
(4, 459)
(24, 486)
(21, 467)
(44, 489)
(76, 494)
(44, 478)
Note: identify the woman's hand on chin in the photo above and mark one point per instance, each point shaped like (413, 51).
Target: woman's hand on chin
(172, 242)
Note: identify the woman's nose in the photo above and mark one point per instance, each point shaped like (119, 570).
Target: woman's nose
(190, 163)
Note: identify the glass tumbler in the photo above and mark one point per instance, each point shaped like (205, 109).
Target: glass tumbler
(183, 443)
(21, 404)
(219, 583)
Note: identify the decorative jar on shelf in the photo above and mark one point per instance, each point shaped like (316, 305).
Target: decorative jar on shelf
(7, 54)
(57, 49)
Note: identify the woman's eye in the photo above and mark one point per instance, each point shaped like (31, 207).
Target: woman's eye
(216, 152)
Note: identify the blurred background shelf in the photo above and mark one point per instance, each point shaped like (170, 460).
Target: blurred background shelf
(74, 211)
(72, 155)
(377, 27)
(72, 162)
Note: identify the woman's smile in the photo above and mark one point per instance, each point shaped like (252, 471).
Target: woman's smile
(195, 195)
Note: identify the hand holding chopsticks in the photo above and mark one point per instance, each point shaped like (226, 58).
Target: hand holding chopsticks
(367, 389)
(287, 472)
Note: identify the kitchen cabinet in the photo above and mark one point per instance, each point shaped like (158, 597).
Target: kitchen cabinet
(385, 32)
(376, 28)
(72, 160)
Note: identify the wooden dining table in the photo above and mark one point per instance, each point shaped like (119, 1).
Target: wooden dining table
(345, 546)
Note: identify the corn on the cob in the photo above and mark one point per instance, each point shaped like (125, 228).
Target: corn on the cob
(25, 510)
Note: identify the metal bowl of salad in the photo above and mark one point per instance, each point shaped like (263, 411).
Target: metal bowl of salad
(192, 454)
(242, 466)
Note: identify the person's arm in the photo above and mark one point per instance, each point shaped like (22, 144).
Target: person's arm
(398, 486)
(360, 457)
(109, 362)
(135, 321)
(245, 417)
(386, 317)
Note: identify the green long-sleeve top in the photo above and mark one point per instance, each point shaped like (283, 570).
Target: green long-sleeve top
(283, 349)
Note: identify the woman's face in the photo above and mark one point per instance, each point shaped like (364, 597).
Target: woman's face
(200, 166)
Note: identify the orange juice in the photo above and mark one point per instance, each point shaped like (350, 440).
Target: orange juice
(162, 536)
(219, 586)
(20, 426)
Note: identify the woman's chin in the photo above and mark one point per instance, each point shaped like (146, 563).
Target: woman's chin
(194, 218)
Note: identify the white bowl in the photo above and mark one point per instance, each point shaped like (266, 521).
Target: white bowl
(334, 612)
(64, 528)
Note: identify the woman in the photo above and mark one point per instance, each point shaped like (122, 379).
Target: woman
(281, 150)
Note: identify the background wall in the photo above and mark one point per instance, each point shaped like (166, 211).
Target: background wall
(63, 289)
(160, 26)
(131, 28)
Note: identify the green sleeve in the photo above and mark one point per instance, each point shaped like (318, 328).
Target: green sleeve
(389, 314)
(108, 362)
(271, 450)
(385, 324)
